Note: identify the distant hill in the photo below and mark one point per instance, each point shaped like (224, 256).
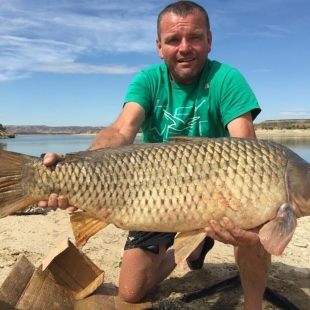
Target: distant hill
(44, 130)
(284, 124)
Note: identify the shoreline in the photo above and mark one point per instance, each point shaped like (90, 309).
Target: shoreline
(259, 132)
(285, 132)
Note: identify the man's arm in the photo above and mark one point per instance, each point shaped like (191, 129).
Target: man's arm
(122, 132)
(241, 127)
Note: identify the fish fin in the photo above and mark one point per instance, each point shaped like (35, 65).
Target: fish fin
(187, 139)
(85, 226)
(12, 197)
(180, 139)
(276, 234)
(186, 242)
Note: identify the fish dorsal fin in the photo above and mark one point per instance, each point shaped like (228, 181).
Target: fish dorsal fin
(186, 139)
(276, 234)
(186, 242)
(85, 226)
(181, 139)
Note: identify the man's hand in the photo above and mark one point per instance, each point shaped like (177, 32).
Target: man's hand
(55, 201)
(231, 234)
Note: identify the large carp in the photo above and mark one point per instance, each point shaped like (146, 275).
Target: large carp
(177, 186)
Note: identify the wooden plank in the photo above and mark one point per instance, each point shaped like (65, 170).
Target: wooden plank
(69, 275)
(15, 284)
(43, 293)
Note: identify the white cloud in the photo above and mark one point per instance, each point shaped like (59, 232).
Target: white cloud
(40, 34)
(53, 35)
(295, 112)
(85, 68)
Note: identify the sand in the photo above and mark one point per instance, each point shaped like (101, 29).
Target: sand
(36, 235)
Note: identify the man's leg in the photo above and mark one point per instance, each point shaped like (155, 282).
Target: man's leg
(196, 258)
(142, 270)
(253, 263)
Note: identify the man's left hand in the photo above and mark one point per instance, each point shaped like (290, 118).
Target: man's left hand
(232, 234)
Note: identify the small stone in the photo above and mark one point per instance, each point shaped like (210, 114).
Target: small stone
(301, 245)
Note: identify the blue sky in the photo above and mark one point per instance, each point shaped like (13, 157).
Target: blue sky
(68, 62)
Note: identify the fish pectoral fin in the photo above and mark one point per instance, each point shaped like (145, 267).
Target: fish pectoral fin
(85, 226)
(186, 242)
(276, 234)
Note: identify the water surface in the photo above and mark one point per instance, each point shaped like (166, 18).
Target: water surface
(38, 144)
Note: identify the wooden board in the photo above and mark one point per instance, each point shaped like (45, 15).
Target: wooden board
(15, 284)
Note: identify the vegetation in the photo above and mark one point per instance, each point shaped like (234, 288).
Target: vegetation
(2, 128)
(302, 124)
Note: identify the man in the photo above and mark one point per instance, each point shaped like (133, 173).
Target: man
(187, 95)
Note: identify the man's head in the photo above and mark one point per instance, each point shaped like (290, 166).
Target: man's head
(182, 8)
(184, 40)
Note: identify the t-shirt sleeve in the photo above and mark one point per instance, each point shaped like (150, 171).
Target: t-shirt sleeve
(139, 91)
(237, 98)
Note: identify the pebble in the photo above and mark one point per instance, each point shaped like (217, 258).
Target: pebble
(301, 245)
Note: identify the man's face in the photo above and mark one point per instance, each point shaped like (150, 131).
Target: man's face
(184, 45)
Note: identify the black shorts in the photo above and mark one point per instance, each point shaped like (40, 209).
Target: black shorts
(148, 241)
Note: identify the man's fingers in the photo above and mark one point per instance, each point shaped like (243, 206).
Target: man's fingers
(53, 201)
(62, 202)
(231, 234)
(43, 204)
(51, 158)
(243, 237)
(217, 232)
(72, 209)
(57, 201)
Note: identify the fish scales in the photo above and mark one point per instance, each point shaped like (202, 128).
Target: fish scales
(124, 178)
(176, 186)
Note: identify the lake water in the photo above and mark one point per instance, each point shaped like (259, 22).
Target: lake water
(38, 144)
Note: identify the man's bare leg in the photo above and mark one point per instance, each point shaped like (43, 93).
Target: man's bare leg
(253, 263)
(143, 270)
(193, 256)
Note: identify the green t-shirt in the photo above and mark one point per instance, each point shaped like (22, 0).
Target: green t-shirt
(203, 108)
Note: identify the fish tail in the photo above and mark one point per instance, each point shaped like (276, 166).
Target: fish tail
(12, 196)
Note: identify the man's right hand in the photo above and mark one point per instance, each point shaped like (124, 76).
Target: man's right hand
(55, 201)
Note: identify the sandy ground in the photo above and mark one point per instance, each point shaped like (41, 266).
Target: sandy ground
(36, 235)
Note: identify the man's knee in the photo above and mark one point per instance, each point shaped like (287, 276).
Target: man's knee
(131, 294)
